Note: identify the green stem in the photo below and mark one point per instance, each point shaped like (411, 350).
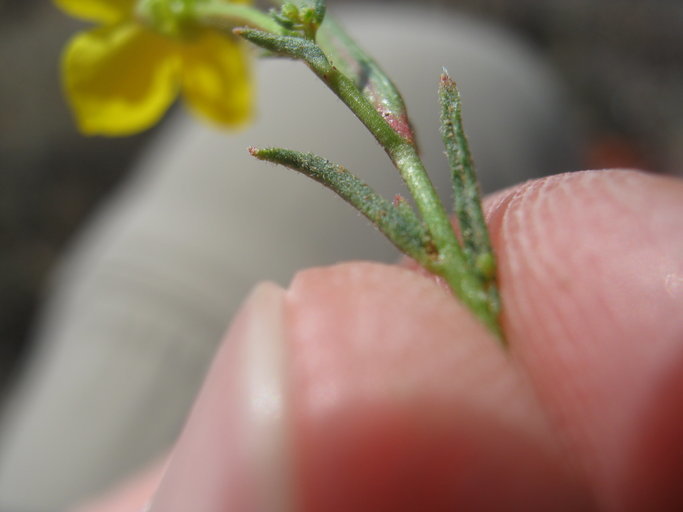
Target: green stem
(451, 263)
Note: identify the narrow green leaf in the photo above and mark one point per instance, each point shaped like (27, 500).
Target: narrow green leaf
(468, 210)
(375, 85)
(396, 220)
(465, 186)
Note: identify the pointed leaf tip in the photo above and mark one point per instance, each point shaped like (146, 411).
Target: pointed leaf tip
(446, 80)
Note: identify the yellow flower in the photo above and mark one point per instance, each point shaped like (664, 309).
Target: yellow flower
(121, 77)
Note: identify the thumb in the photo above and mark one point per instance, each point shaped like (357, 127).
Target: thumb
(363, 387)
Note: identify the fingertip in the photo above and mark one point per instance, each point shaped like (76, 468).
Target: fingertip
(403, 401)
(588, 265)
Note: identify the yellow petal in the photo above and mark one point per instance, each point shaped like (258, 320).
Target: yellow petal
(103, 11)
(119, 79)
(216, 81)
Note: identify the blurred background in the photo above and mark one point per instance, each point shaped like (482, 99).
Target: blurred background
(622, 61)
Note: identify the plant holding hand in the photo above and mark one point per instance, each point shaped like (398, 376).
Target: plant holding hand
(121, 77)
(297, 413)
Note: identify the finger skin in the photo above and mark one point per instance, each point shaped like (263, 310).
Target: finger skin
(591, 270)
(399, 400)
(402, 401)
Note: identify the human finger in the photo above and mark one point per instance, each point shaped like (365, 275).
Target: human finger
(591, 271)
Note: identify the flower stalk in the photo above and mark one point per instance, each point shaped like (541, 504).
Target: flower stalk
(473, 284)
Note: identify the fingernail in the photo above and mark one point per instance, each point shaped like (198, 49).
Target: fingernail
(233, 452)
